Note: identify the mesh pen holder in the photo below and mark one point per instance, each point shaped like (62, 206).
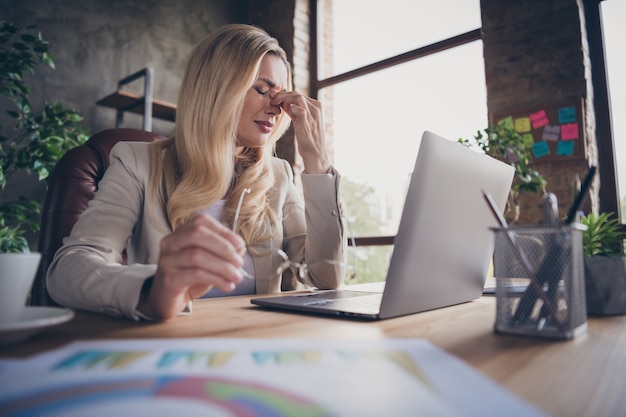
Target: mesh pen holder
(540, 287)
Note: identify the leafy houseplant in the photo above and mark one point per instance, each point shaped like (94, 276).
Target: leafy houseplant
(506, 144)
(603, 236)
(32, 141)
(605, 264)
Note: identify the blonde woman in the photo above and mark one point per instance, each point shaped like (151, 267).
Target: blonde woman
(210, 211)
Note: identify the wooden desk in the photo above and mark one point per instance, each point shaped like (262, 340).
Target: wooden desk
(581, 377)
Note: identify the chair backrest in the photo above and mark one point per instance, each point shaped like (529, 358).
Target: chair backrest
(72, 183)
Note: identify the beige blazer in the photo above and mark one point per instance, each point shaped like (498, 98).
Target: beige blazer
(88, 271)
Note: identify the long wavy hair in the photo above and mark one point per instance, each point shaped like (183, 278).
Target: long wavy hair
(197, 165)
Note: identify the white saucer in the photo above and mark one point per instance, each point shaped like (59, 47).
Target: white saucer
(31, 321)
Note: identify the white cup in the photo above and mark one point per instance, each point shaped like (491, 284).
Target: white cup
(17, 273)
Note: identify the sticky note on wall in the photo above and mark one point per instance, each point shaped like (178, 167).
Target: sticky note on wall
(541, 149)
(522, 124)
(539, 119)
(528, 139)
(511, 155)
(551, 132)
(569, 131)
(567, 115)
(507, 122)
(565, 148)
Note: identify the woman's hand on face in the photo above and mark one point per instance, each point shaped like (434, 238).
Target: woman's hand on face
(307, 116)
(199, 255)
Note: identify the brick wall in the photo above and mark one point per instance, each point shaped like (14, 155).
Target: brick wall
(536, 56)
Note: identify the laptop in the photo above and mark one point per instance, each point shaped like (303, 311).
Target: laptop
(444, 244)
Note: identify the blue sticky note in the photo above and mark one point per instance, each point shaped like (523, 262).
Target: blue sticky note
(567, 114)
(541, 149)
(565, 148)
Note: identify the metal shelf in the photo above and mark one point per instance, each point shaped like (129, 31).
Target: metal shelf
(124, 101)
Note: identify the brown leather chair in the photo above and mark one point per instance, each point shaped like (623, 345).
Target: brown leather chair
(71, 185)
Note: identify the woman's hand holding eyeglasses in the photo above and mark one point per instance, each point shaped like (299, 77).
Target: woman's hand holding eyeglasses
(197, 256)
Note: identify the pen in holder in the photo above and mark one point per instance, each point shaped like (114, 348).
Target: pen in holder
(540, 288)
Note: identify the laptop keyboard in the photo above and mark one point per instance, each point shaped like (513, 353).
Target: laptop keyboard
(337, 295)
(346, 299)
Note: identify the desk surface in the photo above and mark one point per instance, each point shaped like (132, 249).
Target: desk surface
(581, 377)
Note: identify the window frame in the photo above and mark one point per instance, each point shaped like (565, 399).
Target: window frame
(609, 198)
(607, 169)
(317, 84)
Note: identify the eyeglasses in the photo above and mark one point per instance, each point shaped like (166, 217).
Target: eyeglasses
(301, 268)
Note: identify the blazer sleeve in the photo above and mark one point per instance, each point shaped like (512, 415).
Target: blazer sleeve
(88, 271)
(315, 231)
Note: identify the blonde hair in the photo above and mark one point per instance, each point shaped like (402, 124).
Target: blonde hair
(197, 166)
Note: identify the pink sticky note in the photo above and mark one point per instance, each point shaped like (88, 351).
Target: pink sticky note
(569, 131)
(539, 119)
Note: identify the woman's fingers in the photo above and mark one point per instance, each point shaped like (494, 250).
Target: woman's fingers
(306, 114)
(200, 255)
(204, 248)
(299, 108)
(205, 233)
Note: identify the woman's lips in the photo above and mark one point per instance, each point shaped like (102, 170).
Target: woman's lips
(266, 127)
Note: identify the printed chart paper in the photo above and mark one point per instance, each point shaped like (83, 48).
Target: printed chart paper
(251, 377)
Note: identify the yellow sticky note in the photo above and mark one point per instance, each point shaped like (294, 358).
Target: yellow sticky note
(522, 124)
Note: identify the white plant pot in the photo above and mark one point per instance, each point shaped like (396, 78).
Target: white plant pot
(17, 273)
(605, 285)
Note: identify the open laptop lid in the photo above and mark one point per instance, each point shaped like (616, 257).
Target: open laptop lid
(443, 247)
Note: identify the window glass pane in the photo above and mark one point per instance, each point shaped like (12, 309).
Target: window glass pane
(366, 31)
(613, 18)
(375, 122)
(378, 121)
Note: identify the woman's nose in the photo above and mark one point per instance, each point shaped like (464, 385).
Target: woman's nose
(273, 108)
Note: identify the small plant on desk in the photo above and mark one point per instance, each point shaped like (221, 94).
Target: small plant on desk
(603, 236)
(605, 264)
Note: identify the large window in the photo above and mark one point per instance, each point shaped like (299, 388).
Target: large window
(388, 70)
(613, 19)
(378, 115)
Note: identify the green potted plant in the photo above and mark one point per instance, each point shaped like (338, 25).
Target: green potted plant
(506, 144)
(605, 264)
(30, 141)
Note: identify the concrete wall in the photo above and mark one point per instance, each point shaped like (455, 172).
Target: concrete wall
(96, 43)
